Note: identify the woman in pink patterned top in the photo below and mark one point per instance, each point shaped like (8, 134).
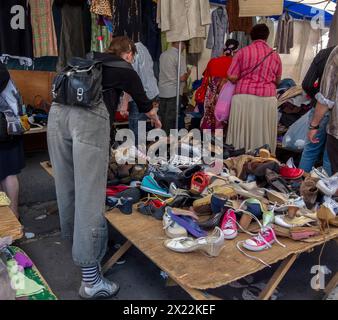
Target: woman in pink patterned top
(256, 70)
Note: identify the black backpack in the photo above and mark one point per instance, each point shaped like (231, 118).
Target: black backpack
(80, 83)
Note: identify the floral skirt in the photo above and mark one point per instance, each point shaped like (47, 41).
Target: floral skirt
(209, 121)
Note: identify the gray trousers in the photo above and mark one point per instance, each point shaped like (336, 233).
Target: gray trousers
(167, 113)
(78, 143)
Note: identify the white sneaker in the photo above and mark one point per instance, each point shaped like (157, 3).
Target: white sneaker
(290, 163)
(173, 229)
(319, 173)
(328, 186)
(105, 289)
(184, 161)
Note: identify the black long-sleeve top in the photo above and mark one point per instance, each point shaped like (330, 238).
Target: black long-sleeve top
(315, 72)
(118, 80)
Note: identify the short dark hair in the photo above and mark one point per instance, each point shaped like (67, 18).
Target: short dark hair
(121, 45)
(260, 32)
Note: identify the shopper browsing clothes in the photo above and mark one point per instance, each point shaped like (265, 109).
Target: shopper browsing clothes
(327, 101)
(311, 85)
(256, 70)
(144, 66)
(12, 159)
(78, 141)
(168, 85)
(214, 77)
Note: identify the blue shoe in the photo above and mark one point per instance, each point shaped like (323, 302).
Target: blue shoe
(150, 185)
(125, 205)
(218, 203)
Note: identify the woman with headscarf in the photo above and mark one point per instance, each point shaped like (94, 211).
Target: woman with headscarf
(216, 75)
(11, 156)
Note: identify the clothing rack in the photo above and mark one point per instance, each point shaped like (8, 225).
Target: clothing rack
(297, 13)
(178, 82)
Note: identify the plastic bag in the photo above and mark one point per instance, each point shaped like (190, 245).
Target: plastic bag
(223, 106)
(295, 137)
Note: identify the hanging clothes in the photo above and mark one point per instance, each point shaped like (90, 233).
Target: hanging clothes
(333, 33)
(101, 8)
(271, 26)
(18, 41)
(284, 34)
(151, 33)
(183, 20)
(236, 23)
(196, 45)
(72, 39)
(217, 32)
(99, 32)
(127, 19)
(243, 38)
(44, 35)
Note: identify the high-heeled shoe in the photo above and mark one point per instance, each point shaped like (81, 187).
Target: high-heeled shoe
(212, 245)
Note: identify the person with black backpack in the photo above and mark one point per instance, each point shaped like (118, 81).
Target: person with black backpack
(78, 140)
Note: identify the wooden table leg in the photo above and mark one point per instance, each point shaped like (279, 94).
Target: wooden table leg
(118, 254)
(277, 277)
(331, 285)
(196, 294)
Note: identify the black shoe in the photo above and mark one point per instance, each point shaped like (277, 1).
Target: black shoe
(186, 176)
(183, 201)
(237, 152)
(213, 222)
(164, 180)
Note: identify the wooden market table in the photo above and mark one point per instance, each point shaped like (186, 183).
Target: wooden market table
(9, 224)
(195, 272)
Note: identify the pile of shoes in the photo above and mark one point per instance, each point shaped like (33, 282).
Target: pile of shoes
(253, 193)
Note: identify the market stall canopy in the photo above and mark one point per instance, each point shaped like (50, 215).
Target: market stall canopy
(310, 8)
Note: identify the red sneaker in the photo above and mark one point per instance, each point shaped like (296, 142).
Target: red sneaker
(291, 173)
(229, 225)
(199, 182)
(264, 240)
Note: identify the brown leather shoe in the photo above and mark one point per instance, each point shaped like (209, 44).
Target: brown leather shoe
(309, 192)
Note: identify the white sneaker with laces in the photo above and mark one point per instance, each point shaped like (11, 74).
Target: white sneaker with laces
(105, 289)
(263, 240)
(319, 173)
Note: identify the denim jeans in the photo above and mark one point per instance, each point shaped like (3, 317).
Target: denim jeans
(312, 151)
(134, 117)
(78, 144)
